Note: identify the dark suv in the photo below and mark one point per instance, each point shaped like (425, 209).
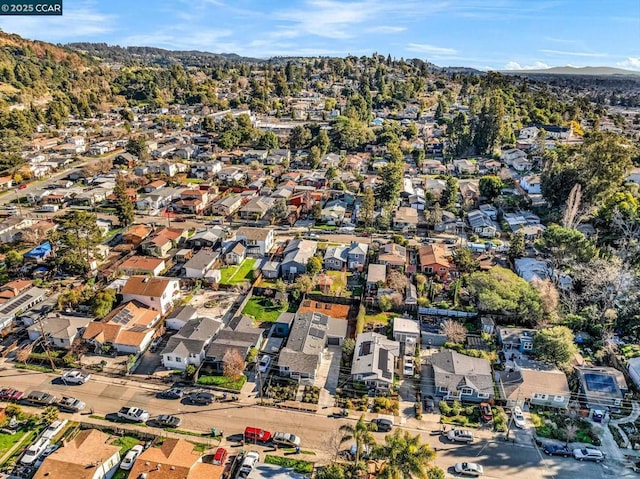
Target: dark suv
(39, 398)
(383, 425)
(200, 398)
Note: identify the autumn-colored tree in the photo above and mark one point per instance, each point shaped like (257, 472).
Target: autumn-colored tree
(233, 364)
(453, 330)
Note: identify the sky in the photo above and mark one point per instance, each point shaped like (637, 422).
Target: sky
(483, 34)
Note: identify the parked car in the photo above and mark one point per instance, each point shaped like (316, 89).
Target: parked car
(518, 417)
(556, 450)
(460, 435)
(220, 457)
(166, 420)
(54, 428)
(22, 187)
(134, 414)
(286, 439)
(39, 398)
(471, 469)
(9, 394)
(130, 457)
(589, 454)
(200, 398)
(264, 364)
(47, 452)
(248, 463)
(255, 434)
(383, 425)
(75, 377)
(35, 450)
(485, 412)
(70, 404)
(173, 393)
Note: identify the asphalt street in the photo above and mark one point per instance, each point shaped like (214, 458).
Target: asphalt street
(318, 432)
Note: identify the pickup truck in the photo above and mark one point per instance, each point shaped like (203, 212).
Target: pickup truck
(134, 414)
(39, 398)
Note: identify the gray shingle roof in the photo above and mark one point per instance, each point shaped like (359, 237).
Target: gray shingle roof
(454, 371)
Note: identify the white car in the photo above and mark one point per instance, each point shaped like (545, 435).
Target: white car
(264, 364)
(35, 450)
(518, 417)
(468, 469)
(75, 377)
(460, 435)
(286, 439)
(130, 457)
(248, 463)
(134, 414)
(54, 428)
(589, 454)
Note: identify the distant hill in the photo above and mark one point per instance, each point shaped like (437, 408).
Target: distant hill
(591, 71)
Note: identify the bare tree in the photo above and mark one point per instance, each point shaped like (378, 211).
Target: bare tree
(233, 364)
(570, 432)
(549, 295)
(627, 233)
(397, 281)
(573, 214)
(453, 330)
(23, 355)
(35, 234)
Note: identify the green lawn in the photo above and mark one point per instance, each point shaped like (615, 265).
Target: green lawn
(299, 466)
(223, 382)
(7, 441)
(126, 443)
(238, 274)
(262, 309)
(380, 318)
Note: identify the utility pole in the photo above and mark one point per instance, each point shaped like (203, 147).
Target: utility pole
(45, 342)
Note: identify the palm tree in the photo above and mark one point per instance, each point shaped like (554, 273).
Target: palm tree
(361, 432)
(405, 457)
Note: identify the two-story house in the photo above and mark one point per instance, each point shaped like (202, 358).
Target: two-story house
(189, 344)
(461, 377)
(374, 360)
(258, 241)
(158, 293)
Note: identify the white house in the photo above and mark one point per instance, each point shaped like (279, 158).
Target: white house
(531, 184)
(200, 263)
(188, 346)
(157, 292)
(258, 241)
(512, 154)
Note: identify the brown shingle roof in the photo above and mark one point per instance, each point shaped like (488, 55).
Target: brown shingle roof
(146, 286)
(177, 460)
(142, 263)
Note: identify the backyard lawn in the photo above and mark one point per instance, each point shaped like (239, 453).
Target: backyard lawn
(126, 443)
(7, 441)
(262, 309)
(238, 274)
(223, 382)
(383, 318)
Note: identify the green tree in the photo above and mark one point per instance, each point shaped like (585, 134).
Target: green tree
(367, 209)
(361, 432)
(13, 259)
(490, 187)
(350, 134)
(391, 176)
(322, 141)
(300, 137)
(449, 196)
(314, 265)
(315, 155)
(102, 303)
(459, 135)
(385, 303)
(280, 210)
(405, 456)
(269, 141)
(465, 261)
(501, 291)
(565, 246)
(50, 414)
(138, 146)
(75, 241)
(516, 246)
(333, 470)
(555, 345)
(124, 205)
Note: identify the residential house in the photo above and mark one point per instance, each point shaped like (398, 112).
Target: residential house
(11, 308)
(206, 238)
(39, 253)
(192, 201)
(405, 218)
(89, 454)
(200, 263)
(156, 292)
(60, 329)
(469, 191)
(174, 459)
(258, 241)
(180, 316)
(143, 265)
(508, 156)
(521, 164)
(456, 376)
(376, 275)
(256, 208)
(602, 387)
(154, 186)
(434, 260)
(433, 167)
(228, 205)
(531, 184)
(188, 345)
(240, 334)
(11, 227)
(335, 258)
(296, 255)
(465, 167)
(129, 328)
(136, 234)
(236, 254)
(271, 269)
(481, 224)
(546, 386)
(374, 360)
(516, 340)
(490, 211)
(310, 334)
(357, 256)
(157, 200)
(163, 241)
(406, 330)
(393, 255)
(6, 182)
(125, 159)
(14, 288)
(333, 213)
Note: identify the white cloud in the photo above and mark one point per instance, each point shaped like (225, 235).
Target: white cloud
(535, 66)
(573, 54)
(385, 29)
(631, 63)
(82, 20)
(180, 38)
(430, 49)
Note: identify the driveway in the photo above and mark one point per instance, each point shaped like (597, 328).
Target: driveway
(327, 377)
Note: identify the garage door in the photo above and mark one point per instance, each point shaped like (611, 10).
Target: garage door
(333, 341)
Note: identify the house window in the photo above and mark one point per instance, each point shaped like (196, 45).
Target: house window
(527, 346)
(542, 397)
(169, 358)
(558, 398)
(483, 396)
(443, 390)
(442, 269)
(466, 392)
(428, 269)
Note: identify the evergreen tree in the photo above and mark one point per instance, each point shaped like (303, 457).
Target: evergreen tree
(124, 205)
(450, 194)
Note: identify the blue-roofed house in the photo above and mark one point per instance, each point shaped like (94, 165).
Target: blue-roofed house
(39, 253)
